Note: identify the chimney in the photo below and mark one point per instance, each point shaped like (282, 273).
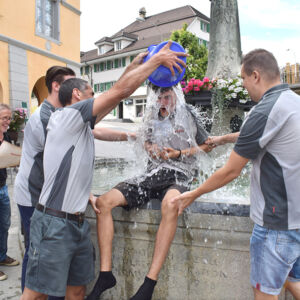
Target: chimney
(142, 13)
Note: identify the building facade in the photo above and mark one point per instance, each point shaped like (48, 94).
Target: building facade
(103, 66)
(35, 35)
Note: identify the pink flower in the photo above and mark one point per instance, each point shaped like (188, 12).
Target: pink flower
(205, 79)
(196, 89)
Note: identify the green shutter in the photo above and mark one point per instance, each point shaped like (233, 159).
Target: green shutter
(95, 67)
(116, 63)
(208, 27)
(123, 61)
(101, 87)
(202, 25)
(108, 65)
(132, 58)
(204, 43)
(101, 66)
(95, 88)
(86, 71)
(81, 70)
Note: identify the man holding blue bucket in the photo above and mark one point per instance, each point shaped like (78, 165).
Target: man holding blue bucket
(173, 136)
(60, 236)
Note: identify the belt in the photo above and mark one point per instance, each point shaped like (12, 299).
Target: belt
(79, 217)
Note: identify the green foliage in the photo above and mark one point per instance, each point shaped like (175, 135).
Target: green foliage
(198, 54)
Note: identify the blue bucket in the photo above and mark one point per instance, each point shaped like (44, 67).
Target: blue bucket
(162, 76)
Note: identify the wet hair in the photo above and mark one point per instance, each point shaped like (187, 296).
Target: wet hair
(264, 62)
(159, 89)
(67, 87)
(57, 73)
(4, 107)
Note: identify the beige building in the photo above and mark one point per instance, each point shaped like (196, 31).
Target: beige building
(35, 35)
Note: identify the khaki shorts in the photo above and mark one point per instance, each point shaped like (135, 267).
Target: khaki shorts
(61, 253)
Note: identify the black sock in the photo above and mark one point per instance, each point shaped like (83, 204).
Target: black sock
(106, 280)
(146, 290)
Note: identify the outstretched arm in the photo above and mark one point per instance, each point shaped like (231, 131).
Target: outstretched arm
(226, 174)
(132, 79)
(106, 134)
(222, 139)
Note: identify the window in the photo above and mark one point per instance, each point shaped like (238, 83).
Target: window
(203, 42)
(132, 58)
(86, 70)
(140, 107)
(96, 68)
(118, 45)
(108, 65)
(47, 18)
(204, 26)
(100, 50)
(123, 61)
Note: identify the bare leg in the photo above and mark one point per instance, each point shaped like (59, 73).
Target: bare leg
(75, 292)
(258, 295)
(294, 288)
(165, 233)
(164, 238)
(105, 225)
(105, 231)
(29, 294)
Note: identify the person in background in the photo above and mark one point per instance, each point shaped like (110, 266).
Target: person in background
(5, 212)
(30, 178)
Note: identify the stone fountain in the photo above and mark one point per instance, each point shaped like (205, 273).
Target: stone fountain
(209, 257)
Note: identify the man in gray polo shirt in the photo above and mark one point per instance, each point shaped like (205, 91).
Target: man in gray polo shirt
(270, 138)
(61, 252)
(173, 135)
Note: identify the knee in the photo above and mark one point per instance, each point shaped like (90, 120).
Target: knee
(105, 203)
(169, 208)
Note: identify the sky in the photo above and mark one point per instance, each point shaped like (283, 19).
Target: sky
(270, 24)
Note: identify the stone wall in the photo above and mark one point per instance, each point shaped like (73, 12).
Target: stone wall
(209, 258)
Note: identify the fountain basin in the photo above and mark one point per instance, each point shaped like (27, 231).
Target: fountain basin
(209, 257)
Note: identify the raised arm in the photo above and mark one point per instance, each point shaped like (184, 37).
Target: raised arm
(132, 79)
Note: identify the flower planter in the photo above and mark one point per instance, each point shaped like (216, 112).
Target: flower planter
(202, 98)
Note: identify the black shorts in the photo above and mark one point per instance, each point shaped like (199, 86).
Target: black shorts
(139, 190)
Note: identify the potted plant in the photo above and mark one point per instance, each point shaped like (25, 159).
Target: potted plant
(231, 92)
(16, 124)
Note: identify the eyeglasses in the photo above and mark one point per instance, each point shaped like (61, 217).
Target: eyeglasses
(6, 119)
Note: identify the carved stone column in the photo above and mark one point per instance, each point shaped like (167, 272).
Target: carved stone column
(224, 59)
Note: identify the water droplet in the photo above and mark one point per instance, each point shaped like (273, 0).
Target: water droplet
(205, 240)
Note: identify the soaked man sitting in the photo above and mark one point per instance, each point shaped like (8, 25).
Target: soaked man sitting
(173, 138)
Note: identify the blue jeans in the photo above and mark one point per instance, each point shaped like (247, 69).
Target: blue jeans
(26, 214)
(4, 221)
(275, 257)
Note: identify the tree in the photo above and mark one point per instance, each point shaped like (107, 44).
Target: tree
(198, 54)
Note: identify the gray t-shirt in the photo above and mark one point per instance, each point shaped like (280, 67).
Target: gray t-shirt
(69, 158)
(270, 137)
(30, 177)
(167, 132)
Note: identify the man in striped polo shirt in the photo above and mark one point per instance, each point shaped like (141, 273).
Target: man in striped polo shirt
(270, 138)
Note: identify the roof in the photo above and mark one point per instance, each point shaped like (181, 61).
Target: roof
(152, 30)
